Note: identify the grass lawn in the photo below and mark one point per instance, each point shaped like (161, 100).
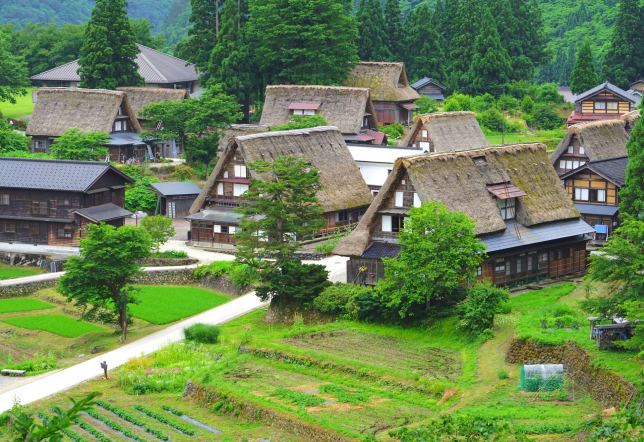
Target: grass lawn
(23, 106)
(22, 305)
(57, 324)
(164, 304)
(550, 138)
(7, 271)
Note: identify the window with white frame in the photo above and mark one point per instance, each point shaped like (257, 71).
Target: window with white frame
(239, 189)
(581, 194)
(398, 200)
(303, 112)
(507, 207)
(220, 188)
(597, 195)
(240, 171)
(386, 223)
(562, 164)
(611, 105)
(216, 228)
(568, 164)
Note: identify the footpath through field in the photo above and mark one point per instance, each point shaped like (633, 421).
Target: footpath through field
(71, 376)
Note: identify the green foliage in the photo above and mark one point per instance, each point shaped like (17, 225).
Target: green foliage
(469, 428)
(625, 426)
(132, 419)
(243, 275)
(57, 324)
(493, 120)
(368, 305)
(173, 410)
(631, 195)
(372, 34)
(527, 104)
(292, 283)
(214, 269)
(345, 396)
(426, 105)
(159, 228)
(423, 54)
(439, 252)
(109, 48)
(93, 431)
(545, 117)
(74, 144)
(39, 363)
(297, 398)
(393, 130)
(164, 420)
(302, 122)
(458, 102)
(183, 172)
(393, 29)
(502, 374)
(483, 301)
(141, 196)
(142, 30)
(583, 76)
(99, 279)
(10, 140)
(13, 72)
(115, 426)
(334, 299)
(332, 242)
(170, 254)
(202, 333)
(549, 93)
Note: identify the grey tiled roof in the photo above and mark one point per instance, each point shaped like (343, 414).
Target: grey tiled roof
(596, 209)
(104, 212)
(611, 87)
(426, 80)
(382, 250)
(613, 169)
(177, 188)
(73, 176)
(154, 66)
(222, 216)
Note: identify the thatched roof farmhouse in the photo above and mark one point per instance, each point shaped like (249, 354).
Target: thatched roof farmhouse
(445, 132)
(521, 212)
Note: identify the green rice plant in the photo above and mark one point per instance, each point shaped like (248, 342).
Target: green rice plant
(170, 254)
(164, 420)
(93, 431)
(297, 398)
(60, 325)
(131, 419)
(22, 305)
(202, 333)
(173, 410)
(115, 426)
(343, 395)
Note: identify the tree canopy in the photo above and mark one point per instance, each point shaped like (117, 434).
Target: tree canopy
(624, 61)
(583, 76)
(11, 140)
(13, 72)
(424, 56)
(74, 144)
(631, 195)
(372, 35)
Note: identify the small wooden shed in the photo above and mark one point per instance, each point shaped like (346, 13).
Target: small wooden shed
(175, 198)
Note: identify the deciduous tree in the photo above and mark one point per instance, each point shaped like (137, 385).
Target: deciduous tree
(583, 76)
(74, 144)
(11, 140)
(13, 72)
(159, 228)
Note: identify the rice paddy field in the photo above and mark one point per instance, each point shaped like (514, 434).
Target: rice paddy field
(22, 107)
(60, 325)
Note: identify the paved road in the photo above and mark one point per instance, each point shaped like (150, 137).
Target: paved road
(69, 377)
(38, 249)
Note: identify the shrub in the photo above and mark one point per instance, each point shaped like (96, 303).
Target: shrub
(140, 196)
(170, 254)
(366, 305)
(243, 275)
(482, 302)
(293, 282)
(503, 374)
(527, 105)
(203, 333)
(183, 172)
(508, 103)
(481, 103)
(549, 93)
(393, 130)
(546, 117)
(426, 105)
(492, 119)
(331, 242)
(458, 102)
(213, 270)
(334, 299)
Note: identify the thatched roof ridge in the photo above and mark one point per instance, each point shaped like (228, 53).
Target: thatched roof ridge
(90, 110)
(387, 81)
(323, 147)
(632, 117)
(139, 97)
(456, 181)
(343, 107)
(600, 139)
(449, 131)
(237, 130)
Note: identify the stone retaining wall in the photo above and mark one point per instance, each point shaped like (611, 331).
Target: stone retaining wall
(605, 386)
(209, 397)
(165, 262)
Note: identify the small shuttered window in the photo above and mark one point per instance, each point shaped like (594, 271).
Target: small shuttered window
(386, 223)
(398, 199)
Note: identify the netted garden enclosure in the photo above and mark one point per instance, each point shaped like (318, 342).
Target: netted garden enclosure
(541, 377)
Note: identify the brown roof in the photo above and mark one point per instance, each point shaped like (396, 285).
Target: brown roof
(456, 181)
(139, 97)
(600, 139)
(90, 110)
(323, 147)
(449, 131)
(387, 81)
(343, 107)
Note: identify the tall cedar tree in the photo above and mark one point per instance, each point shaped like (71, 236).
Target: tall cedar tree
(372, 39)
(624, 60)
(490, 68)
(100, 279)
(424, 56)
(583, 76)
(204, 18)
(231, 62)
(461, 52)
(529, 48)
(303, 42)
(109, 48)
(393, 29)
(631, 196)
(506, 25)
(13, 72)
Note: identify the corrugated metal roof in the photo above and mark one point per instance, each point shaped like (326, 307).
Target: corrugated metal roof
(104, 212)
(73, 176)
(596, 209)
(508, 238)
(177, 188)
(154, 66)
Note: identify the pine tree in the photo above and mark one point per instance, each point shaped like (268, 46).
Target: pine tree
(109, 48)
(583, 75)
(624, 60)
(424, 55)
(631, 196)
(490, 68)
(372, 39)
(465, 29)
(204, 17)
(528, 48)
(393, 29)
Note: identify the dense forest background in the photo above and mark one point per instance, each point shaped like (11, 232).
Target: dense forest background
(567, 23)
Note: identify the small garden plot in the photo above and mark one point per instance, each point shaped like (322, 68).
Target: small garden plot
(22, 305)
(57, 324)
(165, 304)
(381, 350)
(7, 271)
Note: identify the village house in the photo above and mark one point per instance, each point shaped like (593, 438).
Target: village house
(90, 110)
(522, 214)
(590, 142)
(175, 198)
(348, 108)
(344, 195)
(603, 102)
(594, 188)
(157, 69)
(391, 94)
(445, 132)
(430, 88)
(53, 201)
(638, 85)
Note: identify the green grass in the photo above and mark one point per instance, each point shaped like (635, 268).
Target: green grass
(529, 301)
(7, 271)
(550, 138)
(23, 106)
(22, 305)
(57, 324)
(164, 304)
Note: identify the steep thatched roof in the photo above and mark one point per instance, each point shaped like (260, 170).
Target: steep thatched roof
(387, 81)
(449, 131)
(90, 110)
(343, 107)
(238, 130)
(323, 147)
(139, 97)
(455, 180)
(600, 139)
(630, 120)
